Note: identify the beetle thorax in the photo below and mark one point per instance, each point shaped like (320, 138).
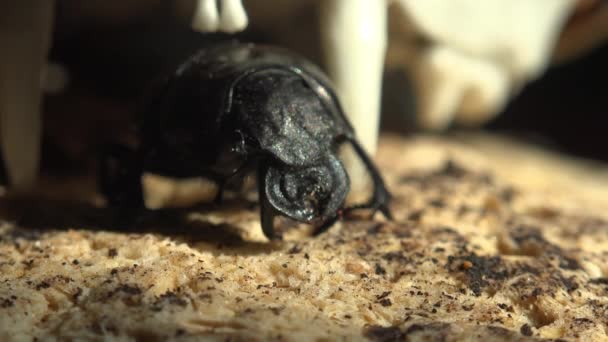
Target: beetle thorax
(284, 116)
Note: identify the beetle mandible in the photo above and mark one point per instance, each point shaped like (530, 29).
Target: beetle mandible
(238, 107)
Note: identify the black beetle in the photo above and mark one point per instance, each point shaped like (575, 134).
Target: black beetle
(237, 107)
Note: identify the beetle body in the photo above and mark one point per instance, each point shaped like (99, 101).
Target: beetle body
(237, 107)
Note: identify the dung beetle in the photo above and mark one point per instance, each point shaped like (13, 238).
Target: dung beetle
(237, 107)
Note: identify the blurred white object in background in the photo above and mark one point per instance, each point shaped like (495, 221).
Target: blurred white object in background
(353, 35)
(25, 36)
(230, 17)
(450, 83)
(480, 53)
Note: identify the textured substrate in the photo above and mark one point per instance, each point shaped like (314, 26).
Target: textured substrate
(490, 240)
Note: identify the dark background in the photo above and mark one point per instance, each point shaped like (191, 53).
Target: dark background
(567, 108)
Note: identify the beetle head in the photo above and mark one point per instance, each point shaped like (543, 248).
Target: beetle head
(309, 193)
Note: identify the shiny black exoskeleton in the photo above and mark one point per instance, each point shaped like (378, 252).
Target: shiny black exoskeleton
(237, 107)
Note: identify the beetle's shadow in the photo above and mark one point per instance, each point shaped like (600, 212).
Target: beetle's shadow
(34, 217)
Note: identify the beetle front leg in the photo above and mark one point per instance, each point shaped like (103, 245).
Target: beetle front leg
(380, 197)
(267, 212)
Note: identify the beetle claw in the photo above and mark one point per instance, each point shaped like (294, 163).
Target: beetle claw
(326, 225)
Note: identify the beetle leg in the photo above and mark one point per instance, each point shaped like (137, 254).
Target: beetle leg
(120, 172)
(381, 196)
(325, 225)
(267, 219)
(219, 197)
(222, 181)
(267, 213)
(221, 184)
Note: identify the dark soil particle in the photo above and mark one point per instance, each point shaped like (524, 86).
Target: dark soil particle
(43, 285)
(601, 281)
(396, 256)
(531, 242)
(431, 327)
(437, 203)
(383, 295)
(503, 306)
(375, 229)
(6, 303)
(294, 250)
(385, 302)
(77, 293)
(21, 234)
(436, 331)
(569, 283)
(276, 311)
(478, 270)
(569, 263)
(452, 169)
(582, 321)
(112, 252)
(172, 298)
(380, 270)
(468, 307)
(508, 194)
(128, 289)
(526, 330)
(378, 333)
(415, 215)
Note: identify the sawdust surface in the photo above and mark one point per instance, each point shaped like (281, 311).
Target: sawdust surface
(491, 241)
